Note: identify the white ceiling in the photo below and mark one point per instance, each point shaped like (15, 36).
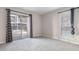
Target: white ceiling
(41, 10)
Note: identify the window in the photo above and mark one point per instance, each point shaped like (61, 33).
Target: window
(19, 26)
(66, 29)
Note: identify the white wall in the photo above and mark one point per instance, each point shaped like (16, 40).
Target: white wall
(2, 25)
(47, 25)
(51, 25)
(36, 23)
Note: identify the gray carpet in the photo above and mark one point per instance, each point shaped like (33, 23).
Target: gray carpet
(38, 44)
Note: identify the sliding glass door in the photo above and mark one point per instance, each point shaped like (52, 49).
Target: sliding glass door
(70, 25)
(66, 25)
(19, 26)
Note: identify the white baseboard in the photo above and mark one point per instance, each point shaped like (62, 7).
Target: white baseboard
(37, 35)
(68, 41)
(47, 36)
(2, 42)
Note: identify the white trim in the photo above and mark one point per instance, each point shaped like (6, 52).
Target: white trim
(68, 41)
(2, 42)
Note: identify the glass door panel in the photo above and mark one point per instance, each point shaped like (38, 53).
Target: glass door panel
(76, 24)
(24, 26)
(66, 25)
(20, 26)
(16, 27)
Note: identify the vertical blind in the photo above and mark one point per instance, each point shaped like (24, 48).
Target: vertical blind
(9, 29)
(72, 22)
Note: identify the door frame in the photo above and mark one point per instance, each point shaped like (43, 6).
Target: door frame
(8, 18)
